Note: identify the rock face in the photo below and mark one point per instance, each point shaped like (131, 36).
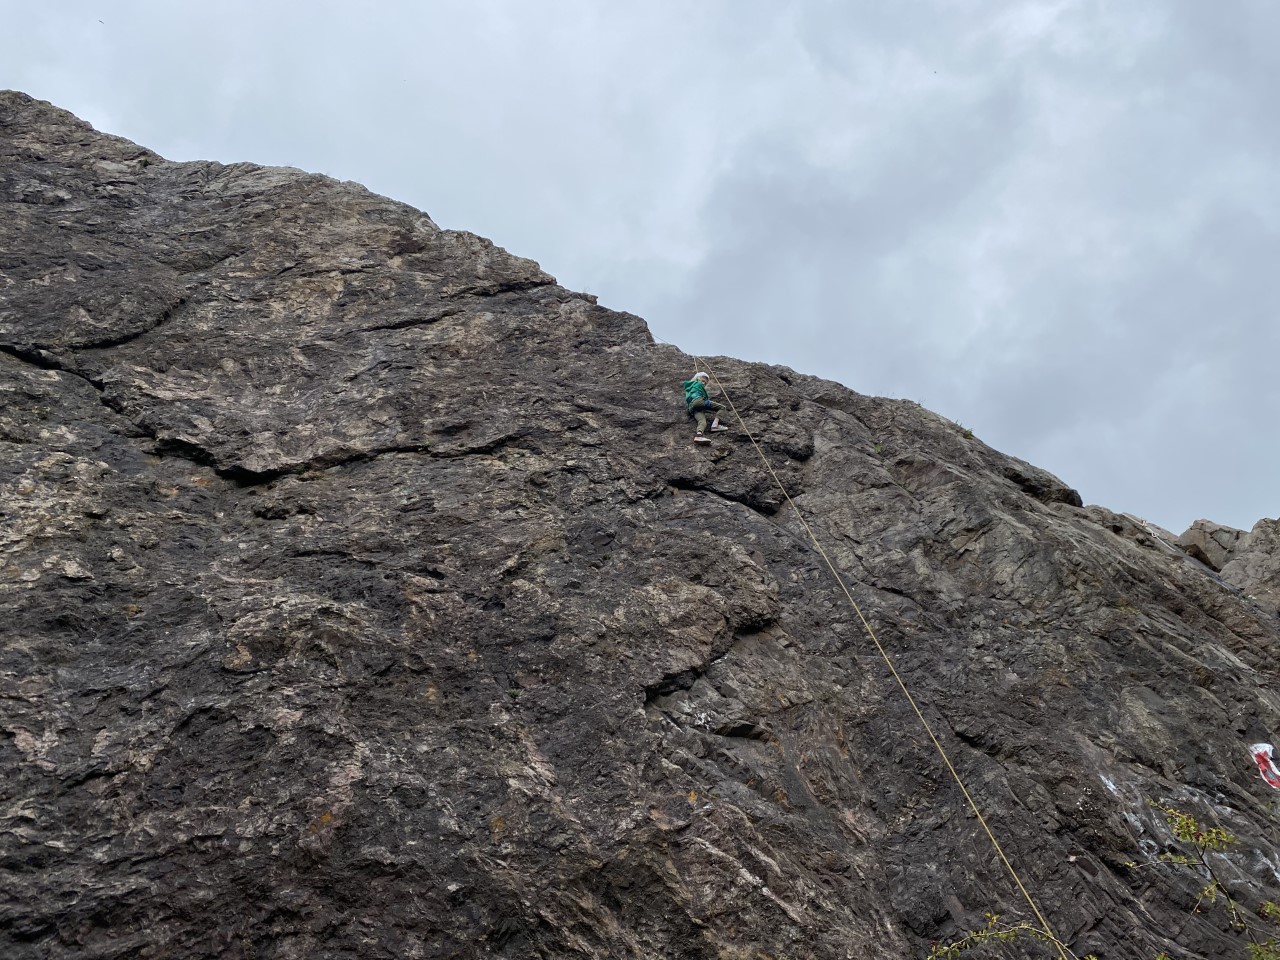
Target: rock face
(1211, 543)
(364, 596)
(1248, 561)
(1254, 566)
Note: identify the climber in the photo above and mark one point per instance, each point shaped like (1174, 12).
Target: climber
(697, 402)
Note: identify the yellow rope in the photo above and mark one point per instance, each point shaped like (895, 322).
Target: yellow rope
(884, 654)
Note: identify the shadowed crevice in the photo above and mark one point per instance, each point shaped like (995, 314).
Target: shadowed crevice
(44, 360)
(118, 341)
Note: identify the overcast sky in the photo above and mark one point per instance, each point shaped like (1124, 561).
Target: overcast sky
(1057, 223)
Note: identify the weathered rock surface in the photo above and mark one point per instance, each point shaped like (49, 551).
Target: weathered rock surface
(1247, 561)
(363, 596)
(1213, 544)
(1254, 566)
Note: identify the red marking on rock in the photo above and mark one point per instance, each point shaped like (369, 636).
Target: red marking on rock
(1262, 756)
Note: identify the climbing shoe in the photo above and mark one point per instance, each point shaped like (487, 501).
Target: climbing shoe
(716, 428)
(699, 438)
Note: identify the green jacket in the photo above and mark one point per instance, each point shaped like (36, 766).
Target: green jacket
(694, 390)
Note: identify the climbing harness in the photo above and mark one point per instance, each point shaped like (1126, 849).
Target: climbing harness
(884, 655)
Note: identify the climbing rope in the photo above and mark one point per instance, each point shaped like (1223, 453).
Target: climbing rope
(884, 655)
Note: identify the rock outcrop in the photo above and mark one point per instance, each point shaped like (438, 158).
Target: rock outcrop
(1254, 566)
(1247, 561)
(364, 596)
(1213, 544)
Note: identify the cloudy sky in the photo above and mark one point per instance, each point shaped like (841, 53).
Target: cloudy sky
(1057, 223)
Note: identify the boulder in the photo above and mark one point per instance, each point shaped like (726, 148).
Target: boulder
(1255, 565)
(1213, 544)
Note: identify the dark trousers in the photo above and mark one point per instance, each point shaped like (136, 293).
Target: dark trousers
(699, 410)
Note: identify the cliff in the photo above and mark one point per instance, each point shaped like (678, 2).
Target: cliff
(364, 596)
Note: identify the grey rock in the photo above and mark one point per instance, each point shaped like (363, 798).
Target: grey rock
(364, 596)
(1255, 565)
(1213, 544)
